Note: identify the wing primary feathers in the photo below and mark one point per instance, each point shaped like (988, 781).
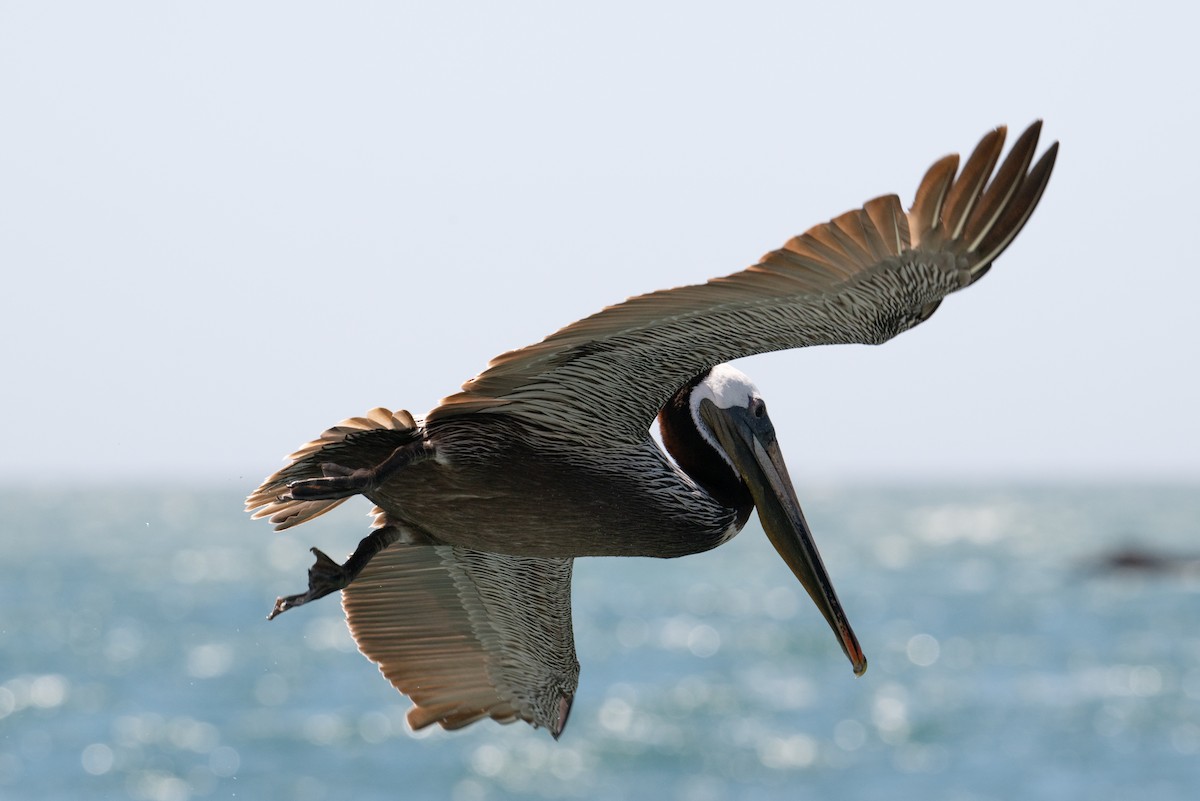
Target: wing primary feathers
(877, 246)
(848, 230)
(965, 192)
(863, 277)
(926, 209)
(1003, 186)
(1017, 212)
(889, 219)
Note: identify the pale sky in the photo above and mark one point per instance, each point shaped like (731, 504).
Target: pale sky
(226, 226)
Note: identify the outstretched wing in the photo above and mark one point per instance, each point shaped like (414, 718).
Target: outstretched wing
(861, 278)
(468, 635)
(353, 443)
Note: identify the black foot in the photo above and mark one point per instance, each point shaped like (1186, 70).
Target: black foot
(339, 482)
(324, 577)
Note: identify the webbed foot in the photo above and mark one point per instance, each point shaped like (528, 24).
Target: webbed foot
(339, 482)
(342, 482)
(324, 577)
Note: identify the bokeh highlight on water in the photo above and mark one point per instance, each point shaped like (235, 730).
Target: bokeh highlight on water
(136, 661)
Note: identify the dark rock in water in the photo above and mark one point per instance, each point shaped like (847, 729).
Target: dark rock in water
(1138, 559)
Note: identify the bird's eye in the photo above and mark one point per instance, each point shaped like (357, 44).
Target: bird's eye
(758, 408)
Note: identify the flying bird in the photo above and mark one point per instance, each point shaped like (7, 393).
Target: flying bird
(461, 590)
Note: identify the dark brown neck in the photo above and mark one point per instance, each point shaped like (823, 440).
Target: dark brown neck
(698, 458)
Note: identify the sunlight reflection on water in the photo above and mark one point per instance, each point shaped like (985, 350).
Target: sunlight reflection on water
(138, 663)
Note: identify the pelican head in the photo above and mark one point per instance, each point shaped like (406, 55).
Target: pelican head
(730, 416)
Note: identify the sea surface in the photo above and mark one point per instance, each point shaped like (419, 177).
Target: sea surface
(1008, 659)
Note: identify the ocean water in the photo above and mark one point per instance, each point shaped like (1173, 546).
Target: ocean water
(1005, 660)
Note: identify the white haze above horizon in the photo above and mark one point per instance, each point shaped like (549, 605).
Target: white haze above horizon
(226, 226)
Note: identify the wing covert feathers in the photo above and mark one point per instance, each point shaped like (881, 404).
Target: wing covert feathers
(469, 635)
(863, 277)
(353, 443)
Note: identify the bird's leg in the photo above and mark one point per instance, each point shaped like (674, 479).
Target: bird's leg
(326, 575)
(342, 482)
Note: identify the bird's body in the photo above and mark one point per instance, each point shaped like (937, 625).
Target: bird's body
(462, 591)
(493, 489)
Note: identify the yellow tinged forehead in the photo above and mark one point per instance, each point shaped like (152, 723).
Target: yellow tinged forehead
(726, 386)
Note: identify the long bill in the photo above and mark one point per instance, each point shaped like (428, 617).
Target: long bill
(750, 442)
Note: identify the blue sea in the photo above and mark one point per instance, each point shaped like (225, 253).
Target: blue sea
(1008, 659)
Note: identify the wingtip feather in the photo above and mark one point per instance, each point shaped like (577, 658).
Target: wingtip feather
(967, 188)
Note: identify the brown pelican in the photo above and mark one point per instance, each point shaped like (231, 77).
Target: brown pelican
(461, 592)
